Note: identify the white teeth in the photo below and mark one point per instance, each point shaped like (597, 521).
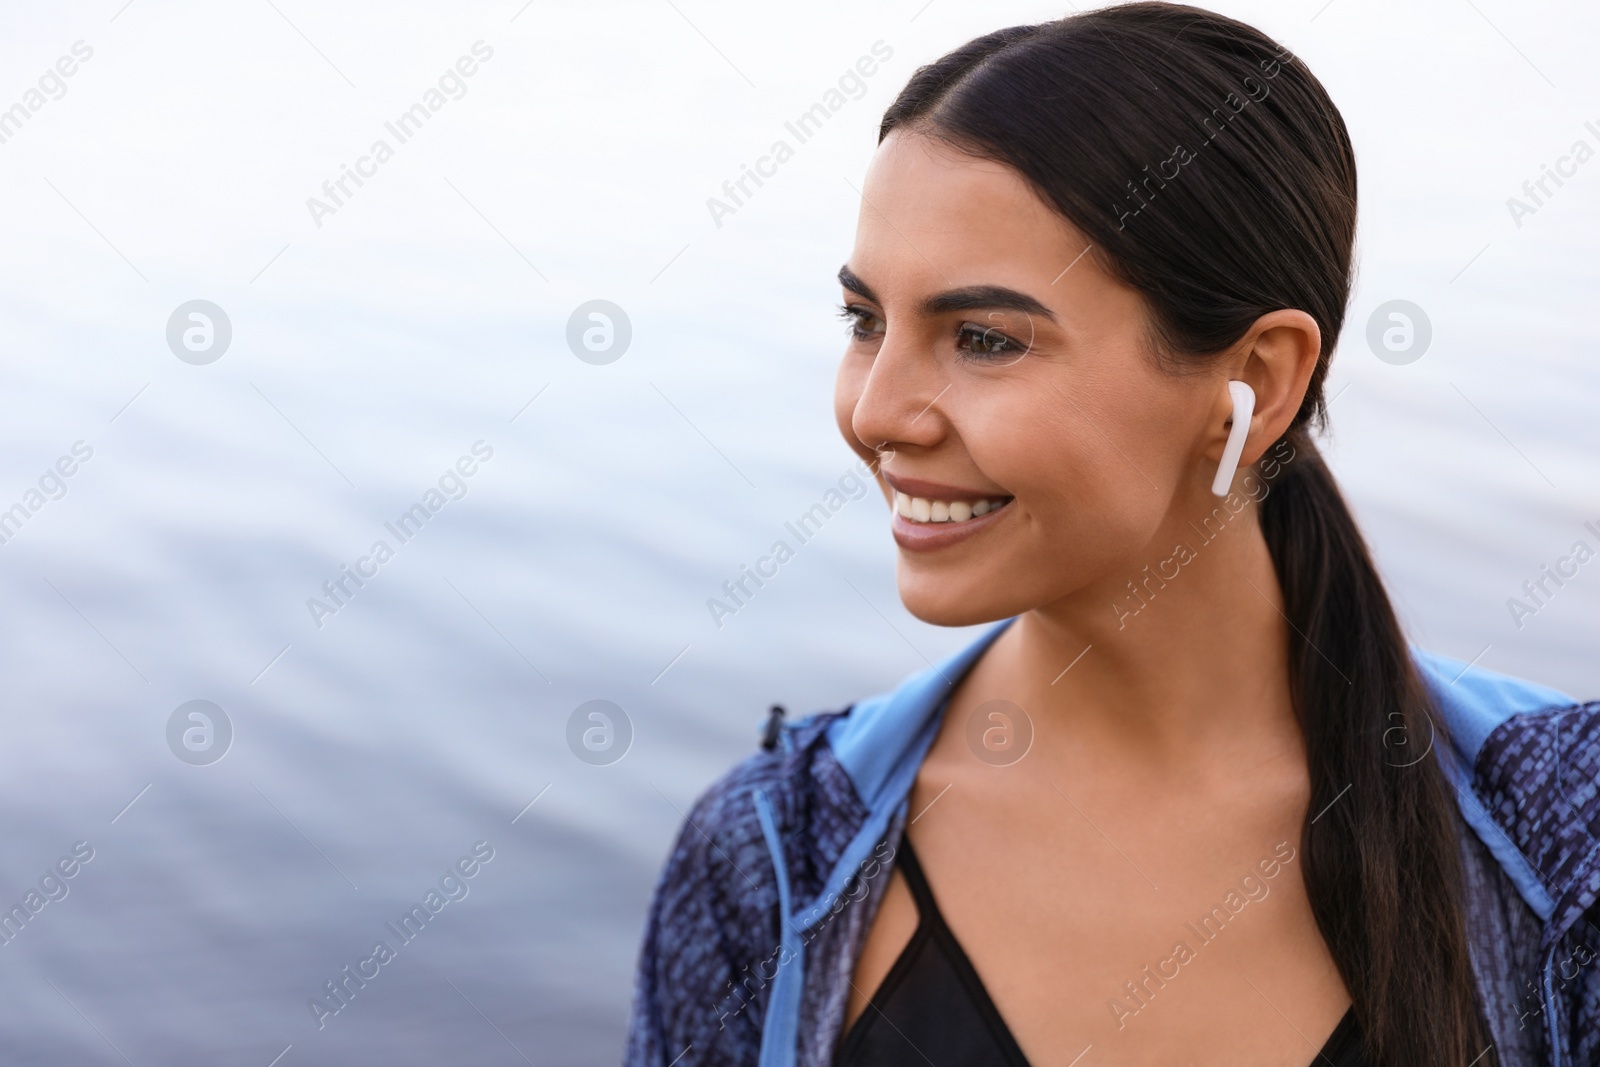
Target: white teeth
(920, 509)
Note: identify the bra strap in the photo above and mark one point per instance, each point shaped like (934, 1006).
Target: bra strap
(911, 867)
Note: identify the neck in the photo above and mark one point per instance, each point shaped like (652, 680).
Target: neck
(1190, 648)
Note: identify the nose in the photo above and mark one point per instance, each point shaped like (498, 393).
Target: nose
(899, 404)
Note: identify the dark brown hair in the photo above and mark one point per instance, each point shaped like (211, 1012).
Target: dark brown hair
(1212, 173)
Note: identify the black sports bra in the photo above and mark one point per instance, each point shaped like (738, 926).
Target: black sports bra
(933, 1008)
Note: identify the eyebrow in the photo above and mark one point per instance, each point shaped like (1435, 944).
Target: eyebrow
(966, 298)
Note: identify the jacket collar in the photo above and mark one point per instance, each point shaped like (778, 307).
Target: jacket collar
(883, 740)
(885, 735)
(1475, 703)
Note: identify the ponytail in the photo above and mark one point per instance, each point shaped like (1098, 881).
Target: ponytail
(1382, 872)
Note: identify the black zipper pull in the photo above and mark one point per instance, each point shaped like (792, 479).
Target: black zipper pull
(769, 737)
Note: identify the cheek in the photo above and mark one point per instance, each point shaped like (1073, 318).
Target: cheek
(1083, 467)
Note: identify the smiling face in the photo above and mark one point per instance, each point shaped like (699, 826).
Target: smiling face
(1005, 375)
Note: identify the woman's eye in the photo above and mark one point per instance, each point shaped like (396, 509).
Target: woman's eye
(986, 342)
(863, 324)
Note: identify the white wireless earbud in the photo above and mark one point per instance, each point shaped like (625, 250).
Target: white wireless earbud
(1244, 405)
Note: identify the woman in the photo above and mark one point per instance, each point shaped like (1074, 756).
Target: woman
(1193, 799)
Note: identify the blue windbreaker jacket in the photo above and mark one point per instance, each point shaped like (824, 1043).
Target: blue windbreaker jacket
(762, 907)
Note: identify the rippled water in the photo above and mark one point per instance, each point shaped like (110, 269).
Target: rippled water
(428, 715)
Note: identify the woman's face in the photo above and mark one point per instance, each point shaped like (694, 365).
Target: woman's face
(1000, 370)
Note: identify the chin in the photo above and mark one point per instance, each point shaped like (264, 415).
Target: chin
(942, 603)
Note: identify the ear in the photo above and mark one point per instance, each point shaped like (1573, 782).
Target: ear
(1276, 359)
